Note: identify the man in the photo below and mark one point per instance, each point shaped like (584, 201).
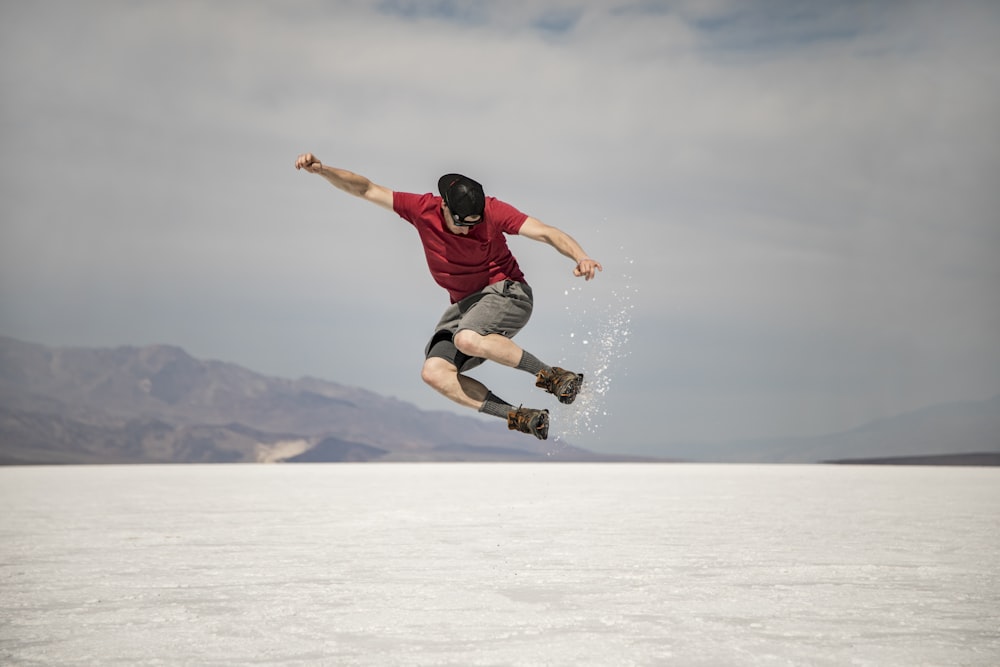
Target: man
(462, 232)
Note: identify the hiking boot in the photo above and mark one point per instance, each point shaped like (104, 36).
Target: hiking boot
(528, 420)
(564, 384)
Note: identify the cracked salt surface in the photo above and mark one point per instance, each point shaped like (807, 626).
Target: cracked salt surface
(496, 564)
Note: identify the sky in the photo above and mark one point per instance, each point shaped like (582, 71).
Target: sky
(796, 204)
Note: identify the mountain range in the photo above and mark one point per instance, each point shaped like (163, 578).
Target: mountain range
(962, 433)
(158, 404)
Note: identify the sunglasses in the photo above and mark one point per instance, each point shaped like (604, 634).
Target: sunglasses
(457, 220)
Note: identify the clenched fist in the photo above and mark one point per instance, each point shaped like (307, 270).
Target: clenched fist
(309, 162)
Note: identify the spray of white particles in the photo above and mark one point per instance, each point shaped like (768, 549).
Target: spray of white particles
(597, 345)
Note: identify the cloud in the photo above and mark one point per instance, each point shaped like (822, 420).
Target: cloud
(800, 196)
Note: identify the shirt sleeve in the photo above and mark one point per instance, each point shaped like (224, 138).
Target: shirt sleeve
(506, 216)
(408, 205)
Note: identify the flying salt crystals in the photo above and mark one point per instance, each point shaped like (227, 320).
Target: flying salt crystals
(597, 346)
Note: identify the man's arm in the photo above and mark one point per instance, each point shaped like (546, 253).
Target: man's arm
(348, 181)
(537, 230)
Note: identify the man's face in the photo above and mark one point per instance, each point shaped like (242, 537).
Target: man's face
(461, 227)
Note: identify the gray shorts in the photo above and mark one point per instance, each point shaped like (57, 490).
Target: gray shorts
(501, 308)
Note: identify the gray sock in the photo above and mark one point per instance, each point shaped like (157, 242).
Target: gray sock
(530, 363)
(496, 406)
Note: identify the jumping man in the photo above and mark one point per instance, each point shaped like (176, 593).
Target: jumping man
(462, 232)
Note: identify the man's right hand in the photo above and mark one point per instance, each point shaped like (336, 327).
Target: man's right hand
(309, 162)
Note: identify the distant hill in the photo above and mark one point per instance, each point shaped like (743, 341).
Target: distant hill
(158, 404)
(951, 433)
(980, 459)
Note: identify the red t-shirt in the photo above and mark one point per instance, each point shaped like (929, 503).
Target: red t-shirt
(463, 264)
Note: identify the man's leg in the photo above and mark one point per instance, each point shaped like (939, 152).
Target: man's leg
(502, 350)
(443, 376)
(495, 347)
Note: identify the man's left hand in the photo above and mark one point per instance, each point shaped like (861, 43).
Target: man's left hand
(587, 268)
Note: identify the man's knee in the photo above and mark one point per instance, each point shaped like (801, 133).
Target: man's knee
(437, 371)
(468, 342)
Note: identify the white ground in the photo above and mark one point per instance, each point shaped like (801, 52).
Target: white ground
(553, 564)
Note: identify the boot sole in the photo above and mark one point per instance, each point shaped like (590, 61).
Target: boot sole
(572, 391)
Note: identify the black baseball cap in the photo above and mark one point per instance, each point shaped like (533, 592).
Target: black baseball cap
(463, 196)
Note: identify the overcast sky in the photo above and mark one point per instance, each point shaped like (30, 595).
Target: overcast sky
(797, 204)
